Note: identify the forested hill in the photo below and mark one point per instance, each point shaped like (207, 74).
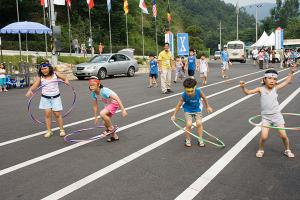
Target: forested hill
(200, 18)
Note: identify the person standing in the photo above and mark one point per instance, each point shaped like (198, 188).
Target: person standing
(225, 62)
(100, 48)
(165, 65)
(254, 55)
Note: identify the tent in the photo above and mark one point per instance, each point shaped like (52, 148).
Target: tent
(270, 41)
(261, 41)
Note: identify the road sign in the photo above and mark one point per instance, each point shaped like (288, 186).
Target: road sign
(183, 44)
(170, 39)
(279, 38)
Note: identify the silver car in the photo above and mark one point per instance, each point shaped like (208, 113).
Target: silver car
(107, 65)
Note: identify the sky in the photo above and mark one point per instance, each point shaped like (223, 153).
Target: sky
(247, 2)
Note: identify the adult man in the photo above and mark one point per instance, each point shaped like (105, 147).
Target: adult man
(254, 55)
(225, 62)
(165, 64)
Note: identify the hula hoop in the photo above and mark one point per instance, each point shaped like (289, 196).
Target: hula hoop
(219, 142)
(297, 128)
(67, 139)
(39, 88)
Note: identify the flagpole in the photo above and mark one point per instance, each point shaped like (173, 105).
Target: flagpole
(143, 35)
(46, 43)
(110, 45)
(68, 8)
(20, 44)
(170, 13)
(156, 37)
(91, 36)
(127, 31)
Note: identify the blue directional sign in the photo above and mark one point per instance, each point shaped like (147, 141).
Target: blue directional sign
(183, 44)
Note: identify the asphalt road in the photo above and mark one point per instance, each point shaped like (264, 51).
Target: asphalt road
(150, 160)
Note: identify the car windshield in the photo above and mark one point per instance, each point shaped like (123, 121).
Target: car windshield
(99, 59)
(217, 53)
(235, 46)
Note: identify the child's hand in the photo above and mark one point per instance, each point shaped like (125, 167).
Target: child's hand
(209, 109)
(242, 83)
(173, 118)
(96, 120)
(67, 82)
(29, 93)
(124, 113)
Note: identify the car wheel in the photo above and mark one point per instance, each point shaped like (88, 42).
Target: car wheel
(80, 77)
(131, 71)
(101, 74)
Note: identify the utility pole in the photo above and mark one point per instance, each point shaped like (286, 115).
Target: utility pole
(256, 19)
(52, 19)
(220, 27)
(18, 17)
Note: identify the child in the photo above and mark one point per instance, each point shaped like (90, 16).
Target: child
(225, 62)
(203, 69)
(2, 78)
(191, 63)
(261, 57)
(179, 71)
(270, 110)
(183, 65)
(50, 100)
(191, 100)
(113, 103)
(153, 74)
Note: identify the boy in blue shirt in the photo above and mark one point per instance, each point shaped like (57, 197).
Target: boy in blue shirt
(153, 73)
(191, 63)
(192, 106)
(225, 61)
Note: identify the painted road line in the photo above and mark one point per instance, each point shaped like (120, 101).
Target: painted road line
(195, 188)
(129, 108)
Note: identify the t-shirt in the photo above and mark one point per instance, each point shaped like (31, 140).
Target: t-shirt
(165, 58)
(203, 67)
(105, 95)
(224, 56)
(2, 73)
(153, 67)
(191, 63)
(192, 104)
(254, 53)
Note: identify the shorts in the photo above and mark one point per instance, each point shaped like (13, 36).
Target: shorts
(261, 64)
(112, 108)
(189, 116)
(2, 81)
(191, 72)
(53, 103)
(254, 58)
(272, 119)
(203, 74)
(153, 76)
(225, 65)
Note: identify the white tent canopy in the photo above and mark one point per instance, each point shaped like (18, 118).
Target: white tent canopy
(261, 41)
(270, 41)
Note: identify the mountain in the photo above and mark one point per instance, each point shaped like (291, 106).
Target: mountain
(263, 11)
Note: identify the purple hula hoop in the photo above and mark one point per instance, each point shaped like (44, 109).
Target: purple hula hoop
(66, 114)
(66, 138)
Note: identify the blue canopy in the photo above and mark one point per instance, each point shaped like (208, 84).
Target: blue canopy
(25, 28)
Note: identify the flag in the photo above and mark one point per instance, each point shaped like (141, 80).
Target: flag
(90, 3)
(44, 3)
(169, 17)
(108, 5)
(60, 2)
(68, 3)
(143, 6)
(237, 8)
(154, 8)
(126, 9)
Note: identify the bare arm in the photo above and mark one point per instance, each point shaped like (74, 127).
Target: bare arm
(114, 97)
(178, 106)
(95, 110)
(247, 91)
(208, 108)
(288, 79)
(34, 86)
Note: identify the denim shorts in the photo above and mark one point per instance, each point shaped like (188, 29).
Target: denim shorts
(2, 81)
(53, 103)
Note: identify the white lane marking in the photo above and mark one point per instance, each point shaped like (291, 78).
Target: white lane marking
(195, 188)
(129, 108)
(98, 174)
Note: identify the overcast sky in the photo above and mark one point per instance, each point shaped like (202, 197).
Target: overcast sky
(247, 2)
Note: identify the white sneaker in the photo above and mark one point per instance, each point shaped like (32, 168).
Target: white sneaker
(188, 143)
(48, 134)
(62, 133)
(201, 143)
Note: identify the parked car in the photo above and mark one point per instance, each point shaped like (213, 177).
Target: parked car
(107, 65)
(217, 55)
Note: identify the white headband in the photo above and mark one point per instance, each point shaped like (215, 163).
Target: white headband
(272, 75)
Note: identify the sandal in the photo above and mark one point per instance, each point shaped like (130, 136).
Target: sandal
(289, 154)
(260, 153)
(108, 132)
(112, 139)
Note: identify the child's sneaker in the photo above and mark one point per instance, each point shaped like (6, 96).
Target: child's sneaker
(48, 134)
(62, 133)
(149, 86)
(201, 143)
(188, 143)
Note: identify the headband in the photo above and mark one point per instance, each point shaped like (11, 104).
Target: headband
(45, 65)
(271, 75)
(94, 81)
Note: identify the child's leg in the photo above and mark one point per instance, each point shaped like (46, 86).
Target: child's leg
(48, 115)
(105, 114)
(60, 123)
(150, 81)
(284, 137)
(263, 137)
(188, 125)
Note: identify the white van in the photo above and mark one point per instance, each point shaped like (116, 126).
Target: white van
(236, 50)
